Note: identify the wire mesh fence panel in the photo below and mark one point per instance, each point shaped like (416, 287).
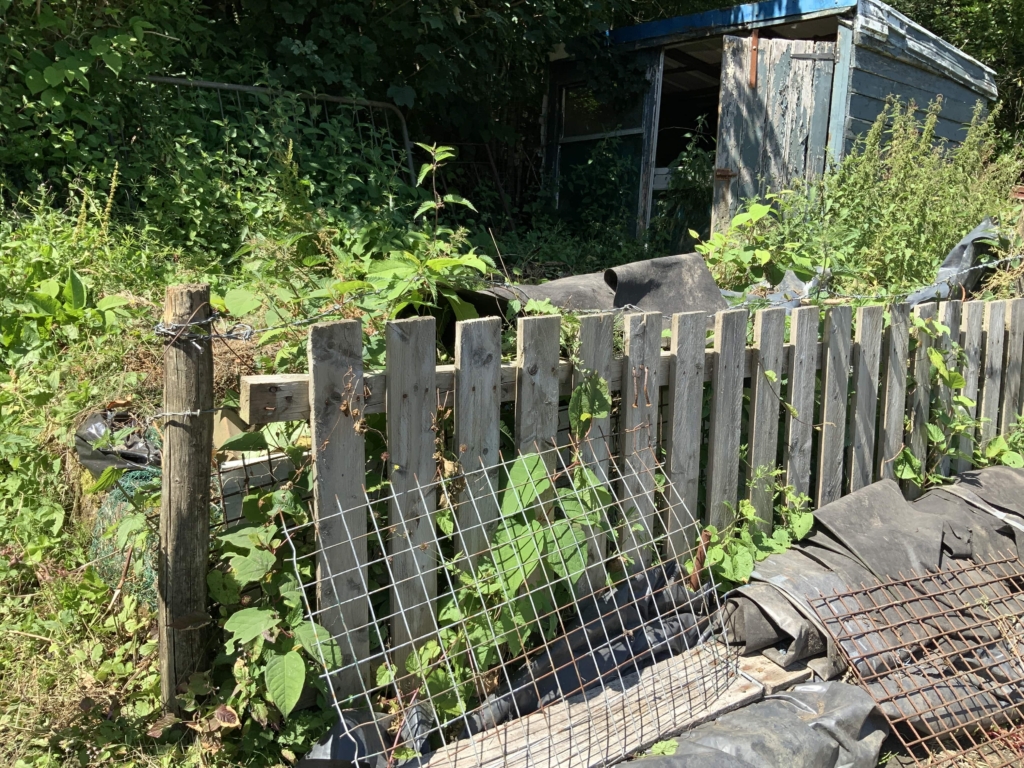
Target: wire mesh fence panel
(517, 665)
(941, 653)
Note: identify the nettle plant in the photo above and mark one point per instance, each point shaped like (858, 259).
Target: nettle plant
(952, 430)
(512, 600)
(732, 553)
(272, 654)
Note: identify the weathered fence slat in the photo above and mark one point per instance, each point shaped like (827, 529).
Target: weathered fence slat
(803, 366)
(595, 355)
(894, 391)
(1014, 356)
(765, 404)
(726, 417)
(991, 371)
(335, 353)
(971, 335)
(537, 385)
(835, 380)
(639, 421)
(949, 317)
(411, 409)
(867, 352)
(185, 497)
(477, 415)
(683, 439)
(919, 399)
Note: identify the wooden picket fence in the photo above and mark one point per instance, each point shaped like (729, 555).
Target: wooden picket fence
(832, 400)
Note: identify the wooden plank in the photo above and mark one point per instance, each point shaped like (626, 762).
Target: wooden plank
(1013, 356)
(867, 352)
(604, 726)
(949, 316)
(803, 363)
(840, 101)
(893, 396)
(765, 407)
(739, 131)
(919, 398)
(991, 370)
(411, 408)
(638, 419)
(537, 385)
(726, 417)
(185, 497)
(877, 86)
(282, 397)
(835, 381)
(683, 436)
(285, 397)
(477, 415)
(971, 335)
(595, 357)
(771, 676)
(335, 353)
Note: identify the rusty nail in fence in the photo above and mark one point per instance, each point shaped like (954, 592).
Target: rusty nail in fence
(942, 654)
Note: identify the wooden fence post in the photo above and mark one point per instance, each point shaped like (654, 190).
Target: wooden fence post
(185, 500)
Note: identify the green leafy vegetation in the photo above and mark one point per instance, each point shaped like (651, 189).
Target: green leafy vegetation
(882, 220)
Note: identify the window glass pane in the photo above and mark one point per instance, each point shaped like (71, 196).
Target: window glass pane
(585, 115)
(599, 181)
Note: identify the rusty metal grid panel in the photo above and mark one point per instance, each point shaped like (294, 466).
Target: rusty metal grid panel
(943, 656)
(551, 673)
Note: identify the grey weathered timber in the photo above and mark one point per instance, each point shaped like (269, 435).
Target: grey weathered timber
(683, 435)
(765, 408)
(991, 370)
(893, 396)
(185, 496)
(803, 366)
(971, 335)
(867, 352)
(919, 398)
(949, 316)
(335, 352)
(477, 415)
(776, 132)
(726, 417)
(638, 419)
(281, 397)
(537, 385)
(595, 359)
(1013, 356)
(835, 380)
(291, 391)
(411, 409)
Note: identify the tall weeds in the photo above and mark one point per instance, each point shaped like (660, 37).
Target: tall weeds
(885, 217)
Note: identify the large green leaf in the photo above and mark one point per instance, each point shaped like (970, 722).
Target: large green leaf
(527, 481)
(315, 640)
(74, 290)
(516, 552)
(241, 302)
(248, 624)
(590, 400)
(285, 676)
(565, 548)
(252, 567)
(245, 441)
(223, 587)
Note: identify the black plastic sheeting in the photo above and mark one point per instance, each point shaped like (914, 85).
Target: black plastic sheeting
(668, 284)
(875, 534)
(134, 452)
(818, 725)
(957, 269)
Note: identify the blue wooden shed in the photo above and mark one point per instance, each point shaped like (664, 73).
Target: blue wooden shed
(780, 83)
